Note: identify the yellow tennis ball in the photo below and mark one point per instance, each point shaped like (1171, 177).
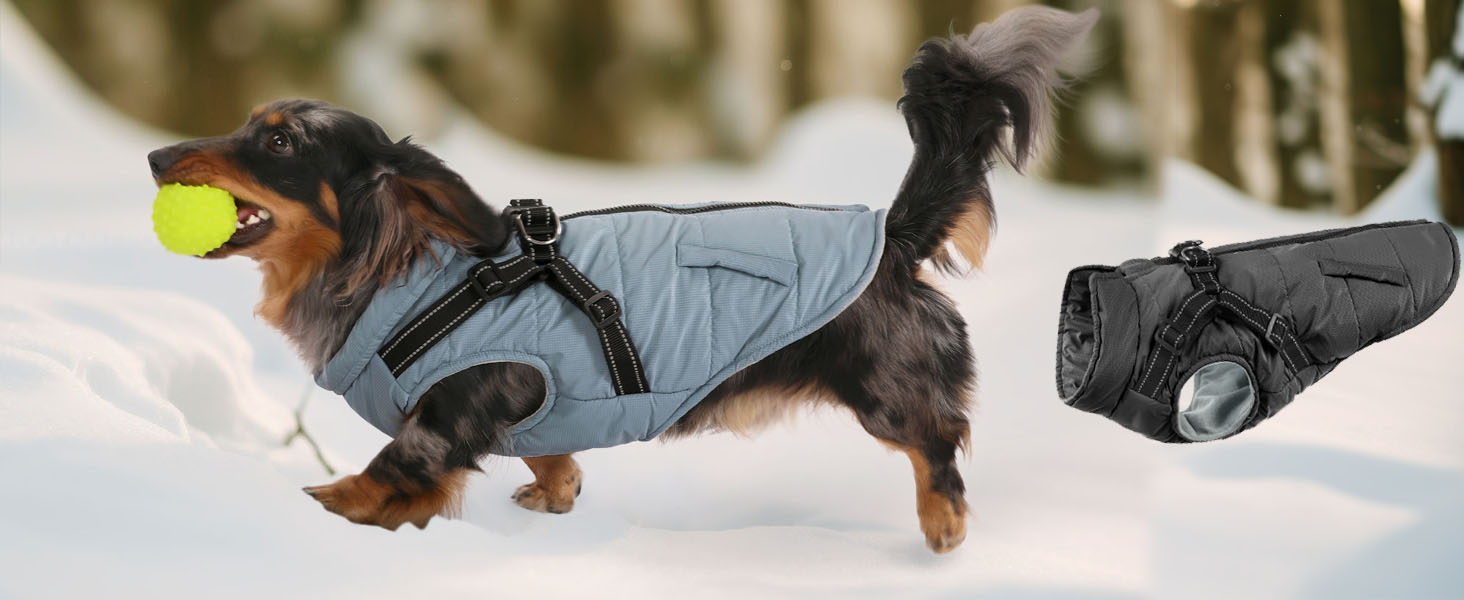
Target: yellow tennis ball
(193, 219)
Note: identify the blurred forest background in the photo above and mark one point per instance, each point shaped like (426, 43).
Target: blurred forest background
(1301, 103)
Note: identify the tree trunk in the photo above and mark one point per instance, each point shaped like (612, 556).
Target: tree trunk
(1254, 123)
(1097, 123)
(1440, 19)
(1211, 62)
(1366, 98)
(1152, 60)
(858, 47)
(1292, 61)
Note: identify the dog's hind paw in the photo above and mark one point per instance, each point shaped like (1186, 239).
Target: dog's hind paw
(536, 498)
(558, 499)
(557, 481)
(944, 525)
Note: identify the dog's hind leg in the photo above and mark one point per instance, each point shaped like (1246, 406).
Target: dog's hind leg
(940, 493)
(907, 373)
(556, 484)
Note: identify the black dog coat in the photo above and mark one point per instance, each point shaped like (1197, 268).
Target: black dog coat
(1254, 324)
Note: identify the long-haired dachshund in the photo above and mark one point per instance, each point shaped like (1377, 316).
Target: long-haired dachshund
(333, 210)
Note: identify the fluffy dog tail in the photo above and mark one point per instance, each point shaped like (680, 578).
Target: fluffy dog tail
(961, 96)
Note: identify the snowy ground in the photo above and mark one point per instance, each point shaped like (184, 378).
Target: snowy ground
(140, 453)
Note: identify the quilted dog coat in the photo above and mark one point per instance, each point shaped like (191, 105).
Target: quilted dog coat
(704, 290)
(1254, 324)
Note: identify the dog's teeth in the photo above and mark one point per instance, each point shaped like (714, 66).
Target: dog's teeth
(238, 225)
(252, 220)
(263, 214)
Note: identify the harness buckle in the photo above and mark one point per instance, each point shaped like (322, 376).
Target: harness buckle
(594, 312)
(1178, 250)
(1174, 346)
(553, 228)
(1274, 328)
(477, 283)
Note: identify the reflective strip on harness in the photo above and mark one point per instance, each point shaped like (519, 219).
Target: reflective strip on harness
(1202, 306)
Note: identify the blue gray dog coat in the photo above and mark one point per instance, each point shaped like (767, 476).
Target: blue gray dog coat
(703, 295)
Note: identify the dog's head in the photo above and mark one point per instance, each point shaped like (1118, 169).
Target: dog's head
(323, 193)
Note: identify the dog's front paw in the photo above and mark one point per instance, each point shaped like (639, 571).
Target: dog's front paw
(364, 500)
(355, 497)
(557, 498)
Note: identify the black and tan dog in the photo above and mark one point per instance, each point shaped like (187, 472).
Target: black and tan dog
(332, 210)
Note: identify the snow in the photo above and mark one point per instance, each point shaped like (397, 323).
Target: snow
(144, 408)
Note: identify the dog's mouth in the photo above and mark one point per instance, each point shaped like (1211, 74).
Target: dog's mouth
(254, 222)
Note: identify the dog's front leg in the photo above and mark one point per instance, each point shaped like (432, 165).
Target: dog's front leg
(408, 482)
(457, 422)
(556, 483)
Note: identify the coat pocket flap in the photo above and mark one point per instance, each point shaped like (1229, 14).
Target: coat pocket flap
(1378, 273)
(766, 267)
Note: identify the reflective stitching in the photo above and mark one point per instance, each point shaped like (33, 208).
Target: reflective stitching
(1197, 315)
(401, 337)
(610, 360)
(1287, 359)
(1281, 350)
(1245, 302)
(582, 278)
(1299, 347)
(1164, 373)
(625, 337)
(423, 319)
(521, 277)
(433, 339)
(537, 216)
(620, 327)
(1149, 370)
(604, 339)
(1247, 317)
(554, 266)
(1186, 302)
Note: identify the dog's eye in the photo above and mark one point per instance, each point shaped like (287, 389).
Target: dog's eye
(279, 144)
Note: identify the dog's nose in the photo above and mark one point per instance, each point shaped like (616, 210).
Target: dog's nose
(161, 160)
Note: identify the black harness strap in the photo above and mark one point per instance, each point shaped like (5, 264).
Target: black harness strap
(538, 233)
(1199, 308)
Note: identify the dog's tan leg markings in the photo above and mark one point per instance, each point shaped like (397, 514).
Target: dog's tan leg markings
(556, 483)
(942, 519)
(363, 499)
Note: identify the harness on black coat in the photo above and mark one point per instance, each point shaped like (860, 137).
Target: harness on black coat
(1252, 324)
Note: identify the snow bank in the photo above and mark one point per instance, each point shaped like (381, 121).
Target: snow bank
(126, 367)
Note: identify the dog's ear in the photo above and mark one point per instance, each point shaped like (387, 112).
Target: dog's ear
(410, 199)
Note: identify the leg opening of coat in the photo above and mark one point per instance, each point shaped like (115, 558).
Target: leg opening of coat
(1220, 397)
